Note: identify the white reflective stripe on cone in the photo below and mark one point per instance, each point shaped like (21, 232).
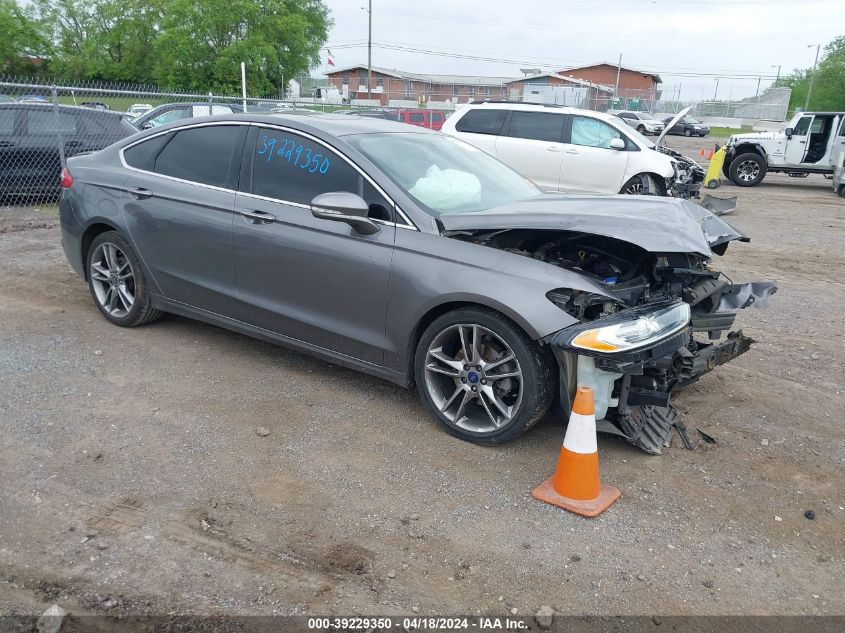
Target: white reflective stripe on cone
(581, 434)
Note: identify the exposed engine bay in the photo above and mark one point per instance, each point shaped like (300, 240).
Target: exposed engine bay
(688, 177)
(632, 389)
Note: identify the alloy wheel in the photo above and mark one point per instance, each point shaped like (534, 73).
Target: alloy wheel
(634, 189)
(113, 280)
(748, 170)
(473, 377)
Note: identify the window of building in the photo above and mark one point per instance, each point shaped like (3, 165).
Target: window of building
(456, 90)
(482, 121)
(345, 79)
(408, 90)
(292, 168)
(538, 126)
(380, 82)
(203, 154)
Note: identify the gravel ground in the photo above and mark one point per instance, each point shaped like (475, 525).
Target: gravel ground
(135, 481)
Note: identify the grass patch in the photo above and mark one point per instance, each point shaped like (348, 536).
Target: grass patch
(725, 132)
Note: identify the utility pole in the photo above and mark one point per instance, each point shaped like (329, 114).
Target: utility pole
(369, 49)
(717, 89)
(616, 87)
(812, 76)
(777, 79)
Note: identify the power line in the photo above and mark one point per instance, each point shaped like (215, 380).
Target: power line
(546, 64)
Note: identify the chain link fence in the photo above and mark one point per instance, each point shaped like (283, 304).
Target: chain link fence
(41, 124)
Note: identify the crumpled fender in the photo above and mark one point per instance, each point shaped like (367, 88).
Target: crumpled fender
(754, 294)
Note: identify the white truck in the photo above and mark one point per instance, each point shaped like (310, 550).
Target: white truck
(807, 145)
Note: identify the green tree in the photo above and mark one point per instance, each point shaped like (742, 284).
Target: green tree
(21, 37)
(828, 85)
(202, 43)
(102, 39)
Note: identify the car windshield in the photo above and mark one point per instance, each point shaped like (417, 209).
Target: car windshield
(443, 174)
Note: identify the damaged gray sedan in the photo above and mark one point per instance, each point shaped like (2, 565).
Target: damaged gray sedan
(415, 257)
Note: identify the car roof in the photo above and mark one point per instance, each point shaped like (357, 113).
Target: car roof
(537, 107)
(334, 124)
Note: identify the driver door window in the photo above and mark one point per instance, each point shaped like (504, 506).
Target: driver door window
(593, 133)
(796, 146)
(292, 168)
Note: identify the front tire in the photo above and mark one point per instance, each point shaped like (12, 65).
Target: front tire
(117, 281)
(747, 170)
(482, 377)
(687, 133)
(641, 129)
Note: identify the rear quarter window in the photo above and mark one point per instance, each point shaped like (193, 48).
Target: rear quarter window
(482, 121)
(143, 155)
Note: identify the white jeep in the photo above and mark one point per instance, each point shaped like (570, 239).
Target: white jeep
(805, 146)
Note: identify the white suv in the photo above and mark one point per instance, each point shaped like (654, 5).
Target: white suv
(642, 122)
(570, 150)
(807, 145)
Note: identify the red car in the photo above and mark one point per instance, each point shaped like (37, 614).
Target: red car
(432, 119)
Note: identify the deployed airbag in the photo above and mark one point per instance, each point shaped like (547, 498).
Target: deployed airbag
(447, 188)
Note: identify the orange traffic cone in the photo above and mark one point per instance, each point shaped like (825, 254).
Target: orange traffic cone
(575, 484)
(710, 155)
(701, 153)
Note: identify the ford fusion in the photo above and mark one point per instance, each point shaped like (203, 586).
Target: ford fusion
(415, 257)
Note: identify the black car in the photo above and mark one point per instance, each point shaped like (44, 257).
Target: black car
(175, 111)
(687, 126)
(29, 143)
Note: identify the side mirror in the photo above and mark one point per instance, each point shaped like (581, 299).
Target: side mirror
(342, 206)
(789, 132)
(617, 143)
(147, 125)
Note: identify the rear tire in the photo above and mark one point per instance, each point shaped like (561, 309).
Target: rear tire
(117, 282)
(747, 170)
(475, 404)
(688, 133)
(641, 129)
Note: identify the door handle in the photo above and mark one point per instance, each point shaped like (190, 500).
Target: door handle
(139, 193)
(260, 217)
(552, 148)
(571, 151)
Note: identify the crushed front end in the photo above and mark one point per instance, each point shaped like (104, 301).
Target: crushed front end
(688, 178)
(634, 358)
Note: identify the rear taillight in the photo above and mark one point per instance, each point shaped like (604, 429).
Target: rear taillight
(67, 179)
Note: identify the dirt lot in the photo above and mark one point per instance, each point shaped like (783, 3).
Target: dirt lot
(134, 480)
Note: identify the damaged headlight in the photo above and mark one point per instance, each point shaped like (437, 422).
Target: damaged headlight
(630, 329)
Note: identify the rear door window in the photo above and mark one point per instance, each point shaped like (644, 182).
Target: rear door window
(292, 168)
(538, 126)
(482, 121)
(7, 122)
(208, 155)
(49, 123)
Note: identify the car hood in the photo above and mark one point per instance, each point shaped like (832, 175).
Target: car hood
(672, 124)
(656, 224)
(753, 136)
